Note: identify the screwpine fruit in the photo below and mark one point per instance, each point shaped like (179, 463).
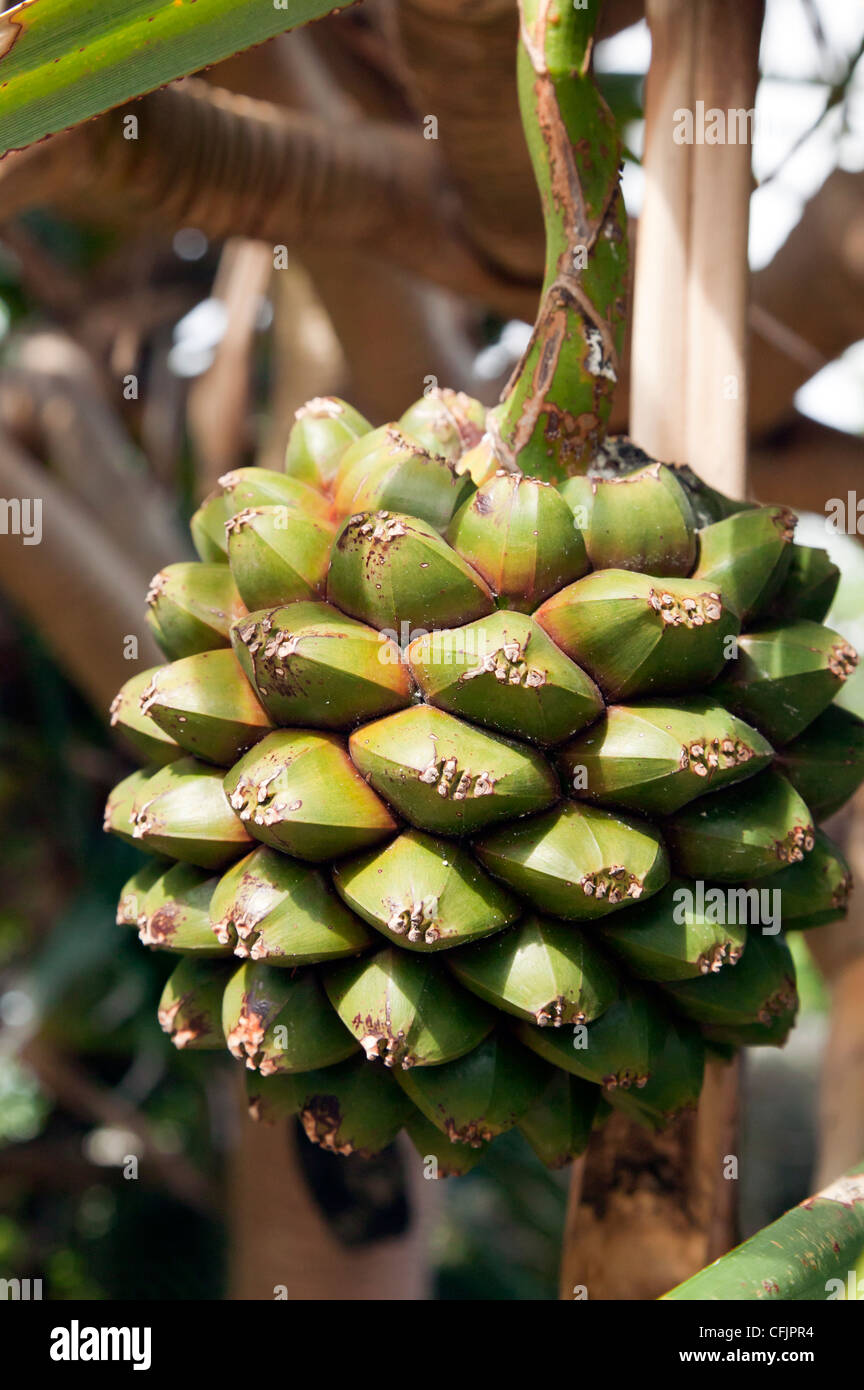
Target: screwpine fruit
(465, 794)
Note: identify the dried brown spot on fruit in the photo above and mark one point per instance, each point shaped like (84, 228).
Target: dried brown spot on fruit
(686, 612)
(509, 666)
(473, 1133)
(840, 896)
(783, 1001)
(785, 521)
(144, 822)
(379, 1041)
(614, 883)
(253, 800)
(157, 587)
(718, 955)
(795, 844)
(624, 1079)
(166, 1016)
(842, 660)
(321, 1118)
(416, 920)
(449, 780)
(553, 1013)
(247, 1036)
(702, 757)
(195, 1026)
(382, 527)
(160, 926)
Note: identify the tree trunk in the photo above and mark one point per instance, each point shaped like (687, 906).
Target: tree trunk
(838, 950)
(283, 1248)
(655, 1208)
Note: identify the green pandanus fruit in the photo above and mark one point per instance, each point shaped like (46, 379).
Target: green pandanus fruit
(483, 774)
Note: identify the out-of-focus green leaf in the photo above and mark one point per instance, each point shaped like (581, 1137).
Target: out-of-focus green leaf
(63, 61)
(810, 1254)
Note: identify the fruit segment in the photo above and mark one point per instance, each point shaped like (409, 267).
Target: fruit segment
(642, 521)
(323, 429)
(558, 1125)
(183, 812)
(445, 775)
(205, 705)
(656, 757)
(190, 608)
(621, 1048)
(190, 1009)
(519, 535)
(405, 1010)
(541, 970)
(429, 893)
(175, 913)
(312, 667)
(505, 673)
(637, 635)
(749, 831)
(747, 557)
(298, 791)
(687, 930)
(480, 1095)
(278, 910)
(577, 861)
(783, 677)
(397, 573)
(141, 735)
(279, 1022)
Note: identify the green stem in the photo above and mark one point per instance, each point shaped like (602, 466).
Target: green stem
(553, 412)
(809, 1254)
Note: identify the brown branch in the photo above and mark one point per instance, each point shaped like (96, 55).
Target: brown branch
(218, 403)
(78, 586)
(814, 290)
(395, 333)
(395, 330)
(479, 125)
(838, 951)
(76, 1092)
(53, 404)
(231, 165)
(306, 358)
(805, 463)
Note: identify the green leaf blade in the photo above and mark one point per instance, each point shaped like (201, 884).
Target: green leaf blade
(64, 61)
(810, 1254)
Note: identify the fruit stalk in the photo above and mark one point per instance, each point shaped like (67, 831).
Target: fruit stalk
(554, 409)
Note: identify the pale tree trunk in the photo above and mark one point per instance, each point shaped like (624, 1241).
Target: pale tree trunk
(838, 950)
(649, 1210)
(282, 1248)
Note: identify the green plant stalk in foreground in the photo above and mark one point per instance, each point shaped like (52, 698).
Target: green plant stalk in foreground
(63, 61)
(808, 1254)
(554, 410)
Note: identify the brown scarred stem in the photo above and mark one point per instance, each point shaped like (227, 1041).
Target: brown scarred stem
(235, 166)
(554, 410)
